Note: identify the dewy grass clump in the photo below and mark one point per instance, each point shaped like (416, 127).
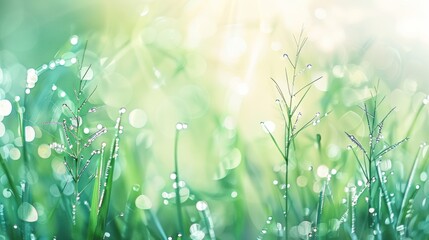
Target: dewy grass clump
(289, 105)
(60, 172)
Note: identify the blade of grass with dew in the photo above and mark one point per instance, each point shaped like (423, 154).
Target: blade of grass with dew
(108, 184)
(420, 155)
(208, 221)
(96, 192)
(351, 206)
(179, 127)
(320, 211)
(26, 228)
(10, 180)
(386, 196)
(3, 227)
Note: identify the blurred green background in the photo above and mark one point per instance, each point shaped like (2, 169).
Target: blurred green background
(209, 64)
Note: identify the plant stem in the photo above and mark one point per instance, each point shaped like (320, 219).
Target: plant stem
(177, 189)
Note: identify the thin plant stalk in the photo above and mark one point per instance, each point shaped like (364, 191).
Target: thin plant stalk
(179, 127)
(288, 108)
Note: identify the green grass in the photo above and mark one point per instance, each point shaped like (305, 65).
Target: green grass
(298, 182)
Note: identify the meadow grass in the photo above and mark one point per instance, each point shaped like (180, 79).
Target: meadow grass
(368, 192)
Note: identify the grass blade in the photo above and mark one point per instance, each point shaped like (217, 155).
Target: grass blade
(96, 192)
(154, 219)
(320, 209)
(179, 127)
(130, 220)
(10, 180)
(105, 194)
(420, 154)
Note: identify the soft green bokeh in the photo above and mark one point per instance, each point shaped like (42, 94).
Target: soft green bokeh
(209, 64)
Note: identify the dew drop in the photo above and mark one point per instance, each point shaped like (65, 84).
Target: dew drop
(201, 205)
(7, 193)
(74, 40)
(371, 210)
(181, 126)
(52, 65)
(136, 187)
(182, 184)
(309, 66)
(173, 176)
(285, 55)
(122, 110)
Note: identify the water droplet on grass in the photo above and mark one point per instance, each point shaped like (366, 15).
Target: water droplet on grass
(122, 110)
(74, 40)
(52, 65)
(201, 205)
(181, 126)
(309, 66)
(7, 193)
(136, 187)
(196, 232)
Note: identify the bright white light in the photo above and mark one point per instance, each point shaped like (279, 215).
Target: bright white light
(268, 126)
(30, 134)
(74, 40)
(5, 107)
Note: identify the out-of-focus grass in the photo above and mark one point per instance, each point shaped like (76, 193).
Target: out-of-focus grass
(210, 65)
